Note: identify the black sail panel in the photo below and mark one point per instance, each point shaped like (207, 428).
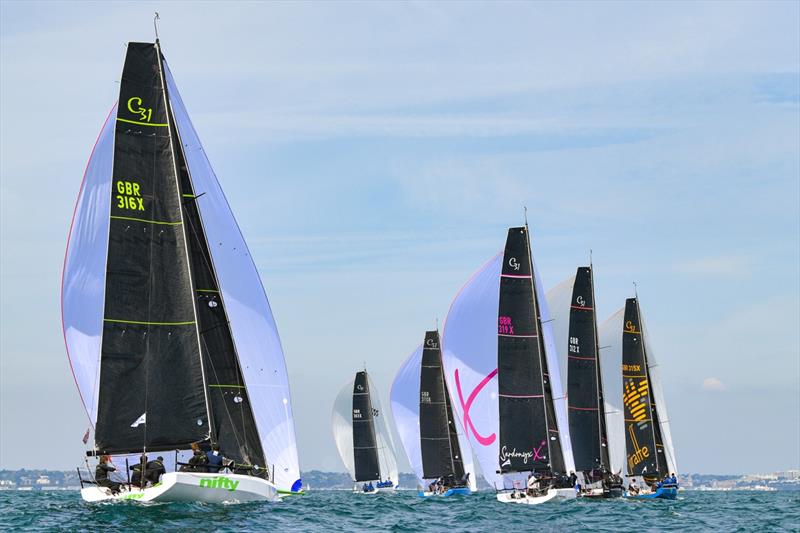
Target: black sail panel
(436, 428)
(455, 445)
(586, 412)
(234, 427)
(640, 441)
(365, 447)
(151, 391)
(523, 435)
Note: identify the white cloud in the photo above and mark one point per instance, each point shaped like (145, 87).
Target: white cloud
(713, 384)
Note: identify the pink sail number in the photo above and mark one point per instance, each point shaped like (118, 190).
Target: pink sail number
(504, 326)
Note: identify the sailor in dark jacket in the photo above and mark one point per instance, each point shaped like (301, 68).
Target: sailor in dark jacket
(104, 468)
(154, 470)
(215, 461)
(136, 477)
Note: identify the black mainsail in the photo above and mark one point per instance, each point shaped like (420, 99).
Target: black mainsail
(528, 436)
(587, 424)
(150, 355)
(643, 441)
(441, 452)
(365, 446)
(169, 372)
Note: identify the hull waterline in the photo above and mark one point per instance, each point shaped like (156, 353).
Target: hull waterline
(192, 487)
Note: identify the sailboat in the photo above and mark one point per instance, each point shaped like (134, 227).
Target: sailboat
(649, 451)
(502, 364)
(362, 437)
(587, 416)
(169, 333)
(437, 449)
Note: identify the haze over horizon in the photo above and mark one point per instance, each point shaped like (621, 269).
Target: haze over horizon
(374, 155)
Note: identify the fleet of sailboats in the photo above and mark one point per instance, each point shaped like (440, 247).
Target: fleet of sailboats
(173, 347)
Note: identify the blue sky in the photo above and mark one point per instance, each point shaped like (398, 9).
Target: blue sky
(375, 153)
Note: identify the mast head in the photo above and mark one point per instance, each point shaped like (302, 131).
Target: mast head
(156, 17)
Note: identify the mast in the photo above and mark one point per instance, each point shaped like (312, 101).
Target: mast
(365, 447)
(601, 405)
(170, 128)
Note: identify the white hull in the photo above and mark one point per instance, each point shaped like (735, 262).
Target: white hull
(521, 497)
(192, 487)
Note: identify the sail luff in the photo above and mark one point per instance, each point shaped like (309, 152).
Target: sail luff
(167, 107)
(601, 405)
(79, 284)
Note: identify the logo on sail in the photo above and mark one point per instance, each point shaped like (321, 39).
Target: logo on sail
(139, 421)
(430, 343)
(483, 441)
(513, 263)
(534, 455)
(639, 453)
(145, 113)
(580, 301)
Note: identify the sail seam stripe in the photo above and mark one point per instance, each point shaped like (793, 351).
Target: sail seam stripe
(581, 308)
(520, 336)
(521, 396)
(581, 358)
(147, 323)
(583, 408)
(155, 125)
(222, 386)
(517, 276)
(206, 290)
(147, 220)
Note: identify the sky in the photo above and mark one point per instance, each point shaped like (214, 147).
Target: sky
(375, 155)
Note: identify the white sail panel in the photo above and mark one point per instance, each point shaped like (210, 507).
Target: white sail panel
(658, 395)
(404, 400)
(609, 335)
(556, 383)
(405, 411)
(253, 328)
(469, 355)
(83, 277)
(558, 302)
(387, 456)
(342, 426)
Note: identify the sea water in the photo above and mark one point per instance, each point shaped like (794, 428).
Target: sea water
(403, 511)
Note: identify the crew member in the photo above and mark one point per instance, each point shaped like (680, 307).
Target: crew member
(154, 470)
(104, 468)
(214, 459)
